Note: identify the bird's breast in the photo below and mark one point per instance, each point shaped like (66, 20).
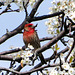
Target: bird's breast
(27, 36)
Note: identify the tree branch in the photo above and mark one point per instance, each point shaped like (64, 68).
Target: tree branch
(14, 32)
(4, 57)
(28, 19)
(47, 59)
(38, 69)
(28, 72)
(23, 48)
(35, 7)
(46, 38)
(51, 57)
(73, 46)
(54, 40)
(20, 27)
(12, 51)
(8, 8)
(46, 16)
(9, 58)
(9, 70)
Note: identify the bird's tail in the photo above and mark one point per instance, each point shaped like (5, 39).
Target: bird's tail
(42, 58)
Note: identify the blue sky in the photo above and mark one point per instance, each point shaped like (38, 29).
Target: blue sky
(11, 20)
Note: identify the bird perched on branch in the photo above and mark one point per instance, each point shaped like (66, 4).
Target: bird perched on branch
(30, 36)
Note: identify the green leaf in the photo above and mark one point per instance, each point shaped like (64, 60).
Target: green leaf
(58, 3)
(56, 47)
(71, 59)
(58, 31)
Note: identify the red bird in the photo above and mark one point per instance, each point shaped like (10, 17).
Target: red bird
(30, 36)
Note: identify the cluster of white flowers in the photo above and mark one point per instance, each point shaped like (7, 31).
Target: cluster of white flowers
(67, 69)
(19, 2)
(26, 55)
(53, 71)
(58, 5)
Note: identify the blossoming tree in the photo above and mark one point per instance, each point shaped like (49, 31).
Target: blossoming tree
(60, 24)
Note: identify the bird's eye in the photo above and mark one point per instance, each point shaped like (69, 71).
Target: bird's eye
(29, 26)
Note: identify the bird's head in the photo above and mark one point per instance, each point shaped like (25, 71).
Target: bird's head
(29, 27)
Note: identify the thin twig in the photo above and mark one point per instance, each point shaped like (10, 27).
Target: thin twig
(35, 7)
(46, 38)
(70, 20)
(60, 63)
(71, 36)
(25, 7)
(65, 24)
(9, 70)
(62, 22)
(9, 58)
(7, 10)
(46, 16)
(71, 47)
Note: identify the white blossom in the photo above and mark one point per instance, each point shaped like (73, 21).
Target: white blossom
(46, 72)
(30, 46)
(57, 5)
(63, 72)
(29, 54)
(53, 72)
(26, 61)
(66, 66)
(40, 74)
(71, 71)
(19, 3)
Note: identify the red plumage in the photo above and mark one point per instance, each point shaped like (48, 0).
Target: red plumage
(30, 36)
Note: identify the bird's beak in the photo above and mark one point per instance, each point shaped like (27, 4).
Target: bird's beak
(34, 26)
